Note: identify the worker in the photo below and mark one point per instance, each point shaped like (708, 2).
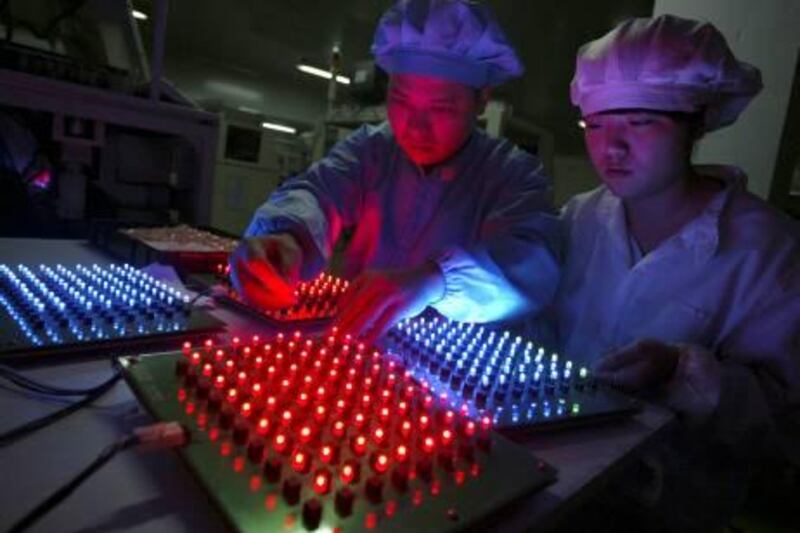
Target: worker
(679, 284)
(441, 214)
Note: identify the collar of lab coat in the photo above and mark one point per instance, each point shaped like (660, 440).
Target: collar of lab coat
(701, 235)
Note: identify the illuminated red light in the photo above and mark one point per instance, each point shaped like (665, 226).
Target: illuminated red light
(326, 454)
(379, 435)
(447, 437)
(229, 365)
(349, 472)
(319, 413)
(219, 355)
(280, 442)
(247, 408)
(405, 428)
(384, 414)
(187, 346)
(209, 343)
(196, 358)
(486, 423)
(339, 429)
(208, 369)
(359, 445)
(401, 453)
(306, 434)
(380, 463)
(359, 420)
(236, 341)
(219, 382)
(263, 426)
(428, 444)
(300, 461)
(271, 403)
(232, 395)
(302, 399)
(256, 389)
(241, 378)
(322, 481)
(286, 417)
(449, 418)
(470, 428)
(246, 352)
(424, 421)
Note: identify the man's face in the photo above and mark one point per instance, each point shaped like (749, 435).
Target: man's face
(638, 153)
(431, 117)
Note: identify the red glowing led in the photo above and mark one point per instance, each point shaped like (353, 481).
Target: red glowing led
(379, 435)
(246, 408)
(232, 395)
(401, 453)
(306, 434)
(424, 421)
(256, 389)
(447, 437)
(209, 343)
(280, 442)
(428, 444)
(319, 413)
(405, 428)
(208, 369)
(380, 463)
(349, 472)
(300, 461)
(326, 453)
(339, 428)
(359, 445)
(384, 414)
(286, 417)
(219, 382)
(469, 428)
(219, 355)
(486, 423)
(187, 346)
(263, 426)
(322, 481)
(196, 358)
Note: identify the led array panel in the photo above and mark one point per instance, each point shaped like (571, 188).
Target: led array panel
(317, 299)
(489, 373)
(301, 433)
(50, 307)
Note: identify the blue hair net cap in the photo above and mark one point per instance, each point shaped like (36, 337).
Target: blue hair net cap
(458, 40)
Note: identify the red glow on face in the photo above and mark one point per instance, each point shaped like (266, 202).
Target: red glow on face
(322, 481)
(430, 117)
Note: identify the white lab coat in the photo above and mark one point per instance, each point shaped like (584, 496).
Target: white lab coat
(728, 283)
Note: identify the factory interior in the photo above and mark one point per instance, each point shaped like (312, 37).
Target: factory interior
(153, 154)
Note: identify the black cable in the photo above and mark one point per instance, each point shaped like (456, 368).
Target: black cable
(39, 387)
(12, 435)
(62, 493)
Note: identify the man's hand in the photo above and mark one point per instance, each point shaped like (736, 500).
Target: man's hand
(378, 299)
(264, 270)
(644, 366)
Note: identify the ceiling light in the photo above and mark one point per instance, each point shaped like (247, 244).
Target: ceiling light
(314, 71)
(278, 127)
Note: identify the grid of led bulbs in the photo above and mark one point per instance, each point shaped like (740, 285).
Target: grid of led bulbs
(56, 304)
(329, 421)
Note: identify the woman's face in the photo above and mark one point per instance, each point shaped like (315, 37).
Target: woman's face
(638, 153)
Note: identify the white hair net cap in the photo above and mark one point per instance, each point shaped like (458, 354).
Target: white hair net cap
(666, 64)
(458, 40)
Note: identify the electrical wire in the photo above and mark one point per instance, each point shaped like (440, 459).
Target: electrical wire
(157, 436)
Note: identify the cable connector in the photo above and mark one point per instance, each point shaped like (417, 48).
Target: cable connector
(161, 436)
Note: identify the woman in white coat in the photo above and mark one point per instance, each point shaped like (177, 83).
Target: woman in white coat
(679, 284)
